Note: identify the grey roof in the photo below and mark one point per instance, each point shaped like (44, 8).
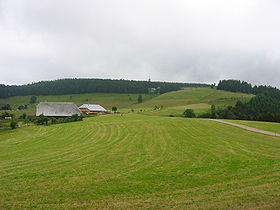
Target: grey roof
(57, 109)
(93, 107)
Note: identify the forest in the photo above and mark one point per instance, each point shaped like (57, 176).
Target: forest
(78, 86)
(265, 106)
(243, 87)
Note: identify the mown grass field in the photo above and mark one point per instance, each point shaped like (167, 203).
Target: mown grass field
(138, 161)
(198, 99)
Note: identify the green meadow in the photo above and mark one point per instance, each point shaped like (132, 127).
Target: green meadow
(138, 161)
(142, 159)
(199, 99)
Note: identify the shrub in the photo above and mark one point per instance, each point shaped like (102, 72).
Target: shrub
(23, 116)
(13, 124)
(189, 113)
(114, 109)
(42, 120)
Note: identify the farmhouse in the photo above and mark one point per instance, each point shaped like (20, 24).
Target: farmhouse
(92, 109)
(57, 109)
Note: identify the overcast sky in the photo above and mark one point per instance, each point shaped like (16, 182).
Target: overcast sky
(166, 40)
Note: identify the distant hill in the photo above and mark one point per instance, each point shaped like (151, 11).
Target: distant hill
(78, 86)
(174, 102)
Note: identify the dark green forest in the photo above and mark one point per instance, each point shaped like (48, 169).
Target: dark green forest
(243, 87)
(265, 106)
(78, 86)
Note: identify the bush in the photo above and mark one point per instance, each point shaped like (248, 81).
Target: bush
(189, 113)
(30, 118)
(42, 120)
(6, 107)
(140, 99)
(114, 109)
(23, 116)
(13, 124)
(6, 114)
(33, 100)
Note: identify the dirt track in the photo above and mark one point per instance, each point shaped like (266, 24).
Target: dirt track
(248, 128)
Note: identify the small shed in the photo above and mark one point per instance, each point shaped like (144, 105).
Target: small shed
(93, 109)
(57, 109)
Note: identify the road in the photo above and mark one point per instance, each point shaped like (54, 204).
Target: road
(248, 128)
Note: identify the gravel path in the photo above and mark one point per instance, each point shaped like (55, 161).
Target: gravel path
(248, 128)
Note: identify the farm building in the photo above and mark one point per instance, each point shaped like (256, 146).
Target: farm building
(57, 109)
(92, 109)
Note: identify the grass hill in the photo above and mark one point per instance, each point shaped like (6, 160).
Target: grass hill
(137, 161)
(199, 99)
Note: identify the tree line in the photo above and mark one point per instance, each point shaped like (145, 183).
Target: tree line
(243, 87)
(265, 106)
(79, 86)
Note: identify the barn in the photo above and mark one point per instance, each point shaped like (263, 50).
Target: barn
(57, 109)
(92, 109)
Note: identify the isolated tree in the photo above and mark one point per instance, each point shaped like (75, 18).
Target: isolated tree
(114, 109)
(189, 113)
(33, 99)
(140, 99)
(213, 112)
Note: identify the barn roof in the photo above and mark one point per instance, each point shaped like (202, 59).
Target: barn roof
(57, 109)
(93, 107)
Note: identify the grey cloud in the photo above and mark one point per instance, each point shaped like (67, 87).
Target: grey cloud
(188, 41)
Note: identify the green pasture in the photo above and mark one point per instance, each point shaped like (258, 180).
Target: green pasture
(135, 161)
(107, 100)
(189, 96)
(199, 99)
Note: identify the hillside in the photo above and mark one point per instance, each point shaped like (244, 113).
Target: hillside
(199, 99)
(105, 99)
(137, 161)
(80, 86)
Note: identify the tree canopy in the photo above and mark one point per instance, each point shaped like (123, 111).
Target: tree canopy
(78, 86)
(265, 106)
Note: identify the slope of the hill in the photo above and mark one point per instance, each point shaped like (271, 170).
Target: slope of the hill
(87, 85)
(199, 99)
(137, 161)
(105, 99)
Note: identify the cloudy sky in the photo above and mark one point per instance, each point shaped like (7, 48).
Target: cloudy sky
(166, 40)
